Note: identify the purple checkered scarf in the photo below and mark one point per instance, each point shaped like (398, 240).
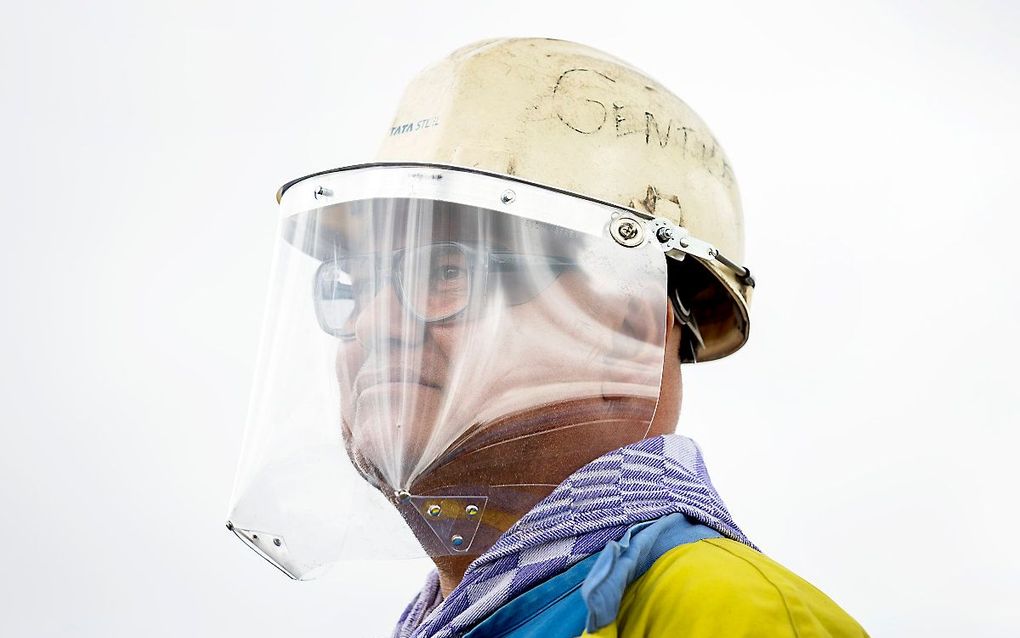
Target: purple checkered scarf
(596, 504)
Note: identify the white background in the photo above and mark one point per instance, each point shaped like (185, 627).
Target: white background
(866, 437)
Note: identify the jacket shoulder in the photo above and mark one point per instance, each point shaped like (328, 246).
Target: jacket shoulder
(719, 587)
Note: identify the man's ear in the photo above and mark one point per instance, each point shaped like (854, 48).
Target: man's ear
(644, 320)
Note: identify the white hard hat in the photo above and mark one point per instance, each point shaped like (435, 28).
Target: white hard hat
(565, 115)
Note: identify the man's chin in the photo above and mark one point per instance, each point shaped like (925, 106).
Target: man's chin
(393, 427)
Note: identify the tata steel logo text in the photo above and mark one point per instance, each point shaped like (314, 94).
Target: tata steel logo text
(411, 127)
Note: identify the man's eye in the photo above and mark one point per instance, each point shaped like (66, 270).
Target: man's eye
(450, 273)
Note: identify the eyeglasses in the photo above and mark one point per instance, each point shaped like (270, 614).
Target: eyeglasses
(434, 283)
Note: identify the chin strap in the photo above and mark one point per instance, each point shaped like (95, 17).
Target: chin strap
(686, 319)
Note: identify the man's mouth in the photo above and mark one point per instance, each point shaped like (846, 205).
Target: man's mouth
(369, 377)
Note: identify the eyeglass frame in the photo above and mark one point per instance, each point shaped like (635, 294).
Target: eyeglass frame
(473, 254)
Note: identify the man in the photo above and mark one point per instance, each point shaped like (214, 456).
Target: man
(490, 320)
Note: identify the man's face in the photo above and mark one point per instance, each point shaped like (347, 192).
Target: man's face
(449, 340)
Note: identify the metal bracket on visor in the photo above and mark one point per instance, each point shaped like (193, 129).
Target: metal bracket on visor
(676, 241)
(271, 547)
(454, 519)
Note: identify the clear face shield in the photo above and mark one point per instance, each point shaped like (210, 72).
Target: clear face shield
(441, 349)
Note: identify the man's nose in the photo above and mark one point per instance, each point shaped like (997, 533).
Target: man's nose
(385, 320)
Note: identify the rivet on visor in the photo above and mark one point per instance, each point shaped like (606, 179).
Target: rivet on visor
(454, 519)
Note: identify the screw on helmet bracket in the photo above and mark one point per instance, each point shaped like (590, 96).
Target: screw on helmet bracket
(677, 242)
(627, 230)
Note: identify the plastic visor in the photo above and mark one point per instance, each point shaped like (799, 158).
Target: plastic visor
(437, 356)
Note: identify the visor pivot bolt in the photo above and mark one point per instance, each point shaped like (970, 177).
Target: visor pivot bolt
(457, 540)
(434, 511)
(471, 511)
(664, 235)
(322, 191)
(684, 243)
(508, 196)
(403, 496)
(626, 231)
(277, 542)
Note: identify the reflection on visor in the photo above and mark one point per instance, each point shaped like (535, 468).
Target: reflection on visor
(452, 319)
(433, 283)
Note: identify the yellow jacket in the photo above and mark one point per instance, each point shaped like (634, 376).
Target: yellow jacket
(719, 587)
